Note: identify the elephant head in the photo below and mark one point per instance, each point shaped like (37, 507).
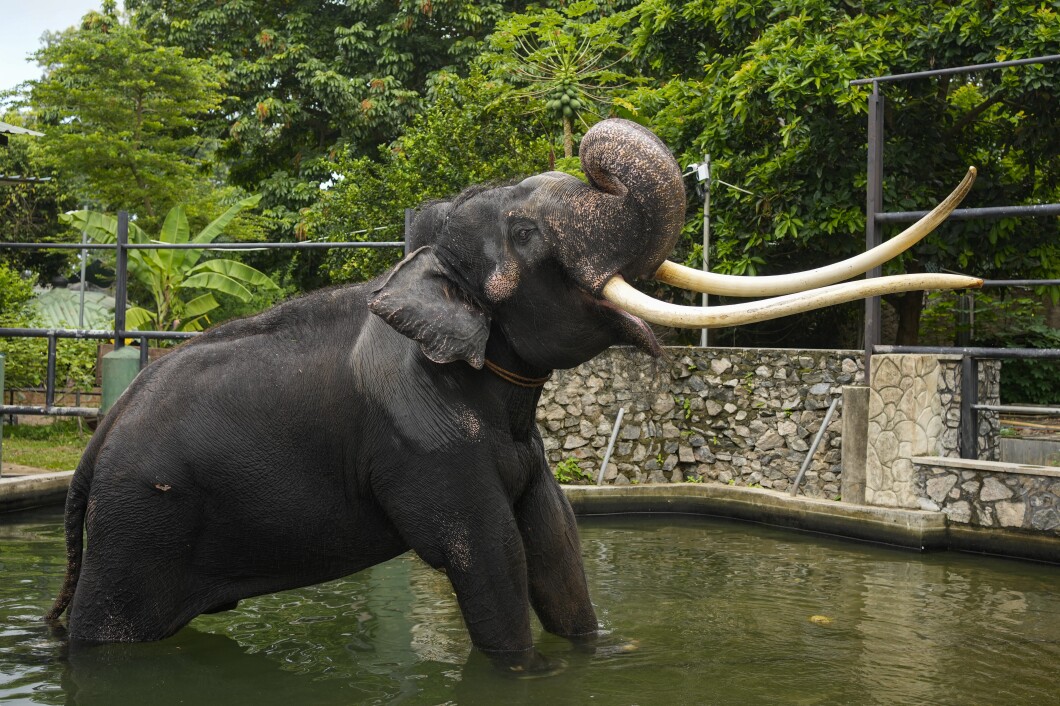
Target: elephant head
(531, 258)
(547, 262)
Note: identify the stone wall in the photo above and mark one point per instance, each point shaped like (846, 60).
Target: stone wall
(990, 494)
(731, 415)
(914, 410)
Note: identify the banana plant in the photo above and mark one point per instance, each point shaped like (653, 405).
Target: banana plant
(176, 278)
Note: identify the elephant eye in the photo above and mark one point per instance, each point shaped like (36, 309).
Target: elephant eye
(522, 231)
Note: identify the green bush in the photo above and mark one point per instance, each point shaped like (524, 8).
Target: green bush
(1001, 322)
(26, 364)
(570, 471)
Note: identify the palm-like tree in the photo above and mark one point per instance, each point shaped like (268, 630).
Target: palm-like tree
(172, 276)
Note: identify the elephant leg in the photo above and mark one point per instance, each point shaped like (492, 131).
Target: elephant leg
(477, 543)
(558, 591)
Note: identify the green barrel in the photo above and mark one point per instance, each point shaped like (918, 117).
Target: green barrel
(120, 366)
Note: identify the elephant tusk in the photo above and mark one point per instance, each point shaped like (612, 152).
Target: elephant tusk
(620, 293)
(772, 285)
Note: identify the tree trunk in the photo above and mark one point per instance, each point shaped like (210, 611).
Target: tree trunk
(909, 306)
(568, 137)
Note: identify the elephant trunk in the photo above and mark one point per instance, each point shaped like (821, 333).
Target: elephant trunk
(630, 217)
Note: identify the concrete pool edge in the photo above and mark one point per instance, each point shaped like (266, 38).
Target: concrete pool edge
(24, 492)
(919, 530)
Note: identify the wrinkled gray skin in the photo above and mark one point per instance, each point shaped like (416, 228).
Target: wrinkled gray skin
(343, 428)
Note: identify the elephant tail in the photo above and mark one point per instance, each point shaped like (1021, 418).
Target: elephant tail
(76, 506)
(76, 509)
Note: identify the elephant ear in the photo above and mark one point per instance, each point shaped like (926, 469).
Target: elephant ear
(421, 300)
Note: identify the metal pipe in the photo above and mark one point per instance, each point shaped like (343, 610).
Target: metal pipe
(213, 246)
(610, 445)
(956, 70)
(84, 261)
(873, 205)
(813, 447)
(54, 411)
(143, 352)
(49, 387)
(1021, 282)
(968, 214)
(1017, 409)
(94, 334)
(987, 353)
(121, 280)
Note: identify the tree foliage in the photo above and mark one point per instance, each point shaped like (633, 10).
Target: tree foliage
(567, 61)
(119, 115)
(475, 132)
(309, 80)
(26, 359)
(29, 211)
(763, 87)
(180, 283)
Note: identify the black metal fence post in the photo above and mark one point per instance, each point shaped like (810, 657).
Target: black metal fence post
(969, 427)
(121, 278)
(49, 390)
(873, 205)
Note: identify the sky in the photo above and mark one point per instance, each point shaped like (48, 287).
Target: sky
(22, 22)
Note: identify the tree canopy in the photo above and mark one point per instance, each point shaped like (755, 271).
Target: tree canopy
(475, 132)
(763, 87)
(343, 114)
(119, 115)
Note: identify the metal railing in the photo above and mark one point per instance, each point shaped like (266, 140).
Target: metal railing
(119, 334)
(874, 214)
(970, 406)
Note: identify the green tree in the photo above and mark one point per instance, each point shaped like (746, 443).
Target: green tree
(174, 278)
(475, 132)
(307, 80)
(569, 61)
(26, 359)
(29, 212)
(120, 115)
(764, 88)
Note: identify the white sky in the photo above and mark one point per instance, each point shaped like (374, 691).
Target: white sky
(22, 22)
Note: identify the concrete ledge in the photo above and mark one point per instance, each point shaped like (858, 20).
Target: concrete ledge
(22, 492)
(912, 529)
(969, 464)
(1006, 543)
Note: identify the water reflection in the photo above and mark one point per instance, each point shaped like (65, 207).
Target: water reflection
(721, 613)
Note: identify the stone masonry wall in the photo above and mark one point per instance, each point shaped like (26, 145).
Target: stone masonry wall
(732, 415)
(914, 410)
(991, 495)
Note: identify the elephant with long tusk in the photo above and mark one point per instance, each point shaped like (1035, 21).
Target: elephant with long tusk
(343, 428)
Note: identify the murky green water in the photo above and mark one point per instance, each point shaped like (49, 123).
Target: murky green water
(723, 613)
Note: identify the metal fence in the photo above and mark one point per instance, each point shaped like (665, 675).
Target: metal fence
(875, 217)
(119, 334)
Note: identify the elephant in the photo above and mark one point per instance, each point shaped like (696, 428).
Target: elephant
(350, 425)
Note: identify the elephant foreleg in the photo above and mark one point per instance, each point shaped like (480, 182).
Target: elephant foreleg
(479, 547)
(558, 591)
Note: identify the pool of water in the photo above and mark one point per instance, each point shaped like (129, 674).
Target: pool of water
(718, 612)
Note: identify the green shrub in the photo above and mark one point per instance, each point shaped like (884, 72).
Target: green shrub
(26, 364)
(1002, 322)
(570, 471)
